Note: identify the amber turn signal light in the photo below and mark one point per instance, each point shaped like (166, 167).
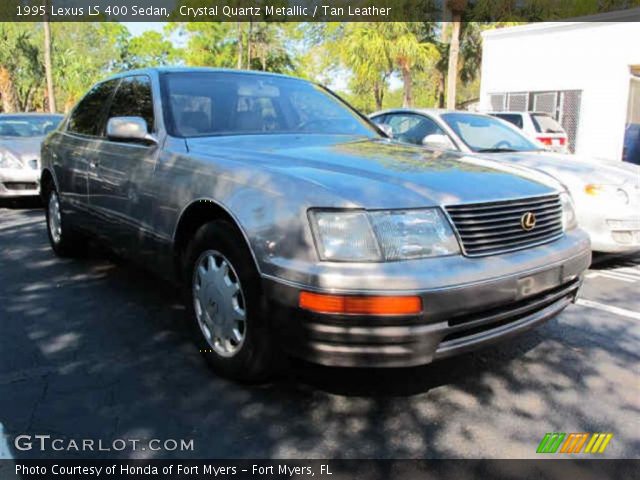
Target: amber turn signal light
(360, 305)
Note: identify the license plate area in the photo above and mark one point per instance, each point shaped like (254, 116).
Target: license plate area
(539, 282)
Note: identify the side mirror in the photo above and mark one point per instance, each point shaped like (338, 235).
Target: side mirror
(129, 128)
(438, 141)
(386, 128)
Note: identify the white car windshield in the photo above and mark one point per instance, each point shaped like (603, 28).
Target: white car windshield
(28, 126)
(226, 103)
(482, 133)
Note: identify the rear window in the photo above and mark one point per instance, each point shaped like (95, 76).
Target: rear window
(545, 124)
(512, 118)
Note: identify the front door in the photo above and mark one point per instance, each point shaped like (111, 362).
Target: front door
(121, 174)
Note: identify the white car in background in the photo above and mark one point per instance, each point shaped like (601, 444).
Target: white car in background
(540, 126)
(21, 135)
(606, 194)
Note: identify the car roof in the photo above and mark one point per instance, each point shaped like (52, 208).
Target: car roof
(424, 111)
(161, 70)
(518, 113)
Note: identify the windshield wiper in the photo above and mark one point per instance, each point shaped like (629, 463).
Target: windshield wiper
(496, 150)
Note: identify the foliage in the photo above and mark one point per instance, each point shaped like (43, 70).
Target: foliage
(84, 53)
(149, 49)
(21, 70)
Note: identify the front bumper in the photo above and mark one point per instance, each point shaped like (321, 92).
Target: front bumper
(455, 318)
(612, 230)
(19, 183)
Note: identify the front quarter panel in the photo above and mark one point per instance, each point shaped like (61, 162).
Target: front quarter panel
(267, 208)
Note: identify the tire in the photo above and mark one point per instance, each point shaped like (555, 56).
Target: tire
(225, 304)
(64, 241)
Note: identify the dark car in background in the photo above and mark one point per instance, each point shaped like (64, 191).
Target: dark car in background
(291, 222)
(20, 138)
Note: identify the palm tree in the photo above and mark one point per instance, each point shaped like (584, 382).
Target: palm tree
(372, 51)
(48, 69)
(366, 53)
(457, 8)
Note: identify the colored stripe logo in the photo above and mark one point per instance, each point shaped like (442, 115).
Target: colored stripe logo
(558, 442)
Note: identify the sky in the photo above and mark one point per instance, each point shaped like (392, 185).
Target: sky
(136, 28)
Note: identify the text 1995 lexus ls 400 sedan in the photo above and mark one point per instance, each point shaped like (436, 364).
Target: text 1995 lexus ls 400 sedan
(294, 224)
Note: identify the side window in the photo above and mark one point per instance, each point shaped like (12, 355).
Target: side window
(411, 128)
(133, 99)
(86, 118)
(379, 119)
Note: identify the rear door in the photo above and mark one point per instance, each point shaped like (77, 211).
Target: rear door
(119, 190)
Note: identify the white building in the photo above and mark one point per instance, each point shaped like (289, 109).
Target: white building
(585, 73)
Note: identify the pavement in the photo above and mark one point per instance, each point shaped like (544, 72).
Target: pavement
(97, 349)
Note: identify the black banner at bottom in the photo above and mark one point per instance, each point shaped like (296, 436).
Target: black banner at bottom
(568, 469)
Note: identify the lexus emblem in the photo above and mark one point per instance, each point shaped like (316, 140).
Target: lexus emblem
(528, 221)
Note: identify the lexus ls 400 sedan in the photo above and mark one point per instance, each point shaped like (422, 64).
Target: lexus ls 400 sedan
(293, 224)
(20, 137)
(606, 194)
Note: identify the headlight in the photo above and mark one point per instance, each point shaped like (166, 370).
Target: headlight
(386, 235)
(609, 191)
(569, 219)
(7, 160)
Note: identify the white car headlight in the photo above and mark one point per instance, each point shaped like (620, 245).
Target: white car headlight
(569, 219)
(612, 192)
(7, 160)
(384, 235)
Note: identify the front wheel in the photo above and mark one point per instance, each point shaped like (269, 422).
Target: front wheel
(224, 303)
(64, 241)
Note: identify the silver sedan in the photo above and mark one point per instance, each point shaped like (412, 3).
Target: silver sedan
(291, 223)
(606, 194)
(20, 139)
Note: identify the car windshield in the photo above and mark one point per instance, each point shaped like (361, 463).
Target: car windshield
(545, 124)
(482, 133)
(226, 103)
(28, 126)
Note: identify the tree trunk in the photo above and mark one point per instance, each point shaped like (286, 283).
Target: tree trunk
(407, 100)
(8, 91)
(378, 91)
(48, 69)
(440, 90)
(454, 50)
(249, 45)
(239, 46)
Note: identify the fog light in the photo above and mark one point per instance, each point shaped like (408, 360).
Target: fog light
(360, 305)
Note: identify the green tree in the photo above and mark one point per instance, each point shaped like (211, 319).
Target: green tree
(21, 69)
(84, 53)
(212, 44)
(149, 49)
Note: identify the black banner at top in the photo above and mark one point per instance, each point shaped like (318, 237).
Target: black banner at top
(318, 10)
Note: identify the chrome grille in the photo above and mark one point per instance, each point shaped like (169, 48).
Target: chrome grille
(495, 227)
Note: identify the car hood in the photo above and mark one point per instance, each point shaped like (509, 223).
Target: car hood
(24, 148)
(574, 170)
(378, 173)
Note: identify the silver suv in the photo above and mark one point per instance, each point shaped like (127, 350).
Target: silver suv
(293, 224)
